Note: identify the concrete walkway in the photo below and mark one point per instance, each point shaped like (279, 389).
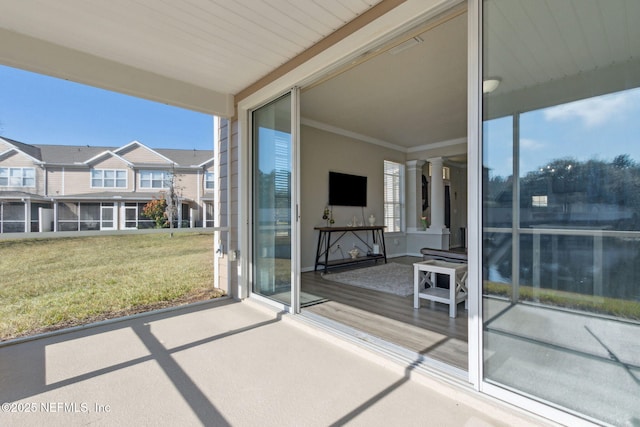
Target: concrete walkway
(223, 363)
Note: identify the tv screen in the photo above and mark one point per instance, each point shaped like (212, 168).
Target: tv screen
(347, 190)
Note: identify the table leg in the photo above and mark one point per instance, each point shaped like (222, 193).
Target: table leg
(452, 295)
(416, 287)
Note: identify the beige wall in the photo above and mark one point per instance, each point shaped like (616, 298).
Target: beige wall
(17, 160)
(4, 146)
(55, 180)
(138, 154)
(321, 152)
(109, 162)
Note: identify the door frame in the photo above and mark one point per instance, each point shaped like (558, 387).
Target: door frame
(114, 213)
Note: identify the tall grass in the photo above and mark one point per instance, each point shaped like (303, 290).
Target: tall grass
(52, 283)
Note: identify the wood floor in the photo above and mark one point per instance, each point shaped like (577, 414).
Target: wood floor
(428, 331)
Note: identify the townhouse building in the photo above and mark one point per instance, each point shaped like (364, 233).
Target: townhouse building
(76, 188)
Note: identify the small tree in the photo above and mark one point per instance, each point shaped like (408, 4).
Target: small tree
(156, 210)
(165, 209)
(173, 199)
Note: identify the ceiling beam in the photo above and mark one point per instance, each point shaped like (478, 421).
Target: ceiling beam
(32, 54)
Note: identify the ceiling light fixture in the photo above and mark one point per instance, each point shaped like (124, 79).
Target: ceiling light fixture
(490, 84)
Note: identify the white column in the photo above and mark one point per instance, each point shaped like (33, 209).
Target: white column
(27, 215)
(413, 195)
(437, 195)
(55, 216)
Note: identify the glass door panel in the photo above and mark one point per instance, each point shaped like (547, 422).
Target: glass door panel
(272, 195)
(561, 208)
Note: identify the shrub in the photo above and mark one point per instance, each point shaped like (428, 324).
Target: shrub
(155, 210)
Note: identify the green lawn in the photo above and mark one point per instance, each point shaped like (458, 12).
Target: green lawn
(49, 284)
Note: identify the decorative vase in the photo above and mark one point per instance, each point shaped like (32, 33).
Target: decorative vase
(354, 253)
(372, 220)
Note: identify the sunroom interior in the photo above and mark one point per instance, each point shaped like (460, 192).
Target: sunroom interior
(404, 102)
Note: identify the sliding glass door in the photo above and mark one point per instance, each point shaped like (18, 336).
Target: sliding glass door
(561, 206)
(274, 214)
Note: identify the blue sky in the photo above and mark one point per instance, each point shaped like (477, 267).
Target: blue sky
(601, 127)
(37, 109)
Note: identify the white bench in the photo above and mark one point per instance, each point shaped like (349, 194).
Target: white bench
(426, 285)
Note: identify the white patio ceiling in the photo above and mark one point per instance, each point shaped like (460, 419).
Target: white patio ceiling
(218, 45)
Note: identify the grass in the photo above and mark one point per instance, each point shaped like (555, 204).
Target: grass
(50, 284)
(610, 306)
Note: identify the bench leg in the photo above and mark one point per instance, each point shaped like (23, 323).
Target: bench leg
(416, 288)
(452, 296)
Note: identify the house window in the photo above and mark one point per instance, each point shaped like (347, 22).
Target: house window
(209, 180)
(17, 177)
(539, 201)
(108, 178)
(393, 179)
(155, 179)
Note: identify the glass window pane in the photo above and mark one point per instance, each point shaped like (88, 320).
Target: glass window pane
(561, 206)
(272, 200)
(497, 172)
(595, 185)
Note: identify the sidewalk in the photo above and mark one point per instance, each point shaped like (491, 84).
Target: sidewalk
(223, 363)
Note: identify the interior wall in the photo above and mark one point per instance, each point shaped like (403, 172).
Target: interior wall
(321, 152)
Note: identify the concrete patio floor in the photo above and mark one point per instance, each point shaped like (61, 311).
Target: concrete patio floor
(224, 363)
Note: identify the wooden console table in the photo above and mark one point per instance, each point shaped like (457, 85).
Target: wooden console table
(325, 243)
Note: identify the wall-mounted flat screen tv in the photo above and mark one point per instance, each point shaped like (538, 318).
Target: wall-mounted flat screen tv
(347, 190)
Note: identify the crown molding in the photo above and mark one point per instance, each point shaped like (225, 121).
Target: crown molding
(350, 134)
(440, 144)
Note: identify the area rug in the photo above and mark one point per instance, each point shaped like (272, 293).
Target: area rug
(392, 278)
